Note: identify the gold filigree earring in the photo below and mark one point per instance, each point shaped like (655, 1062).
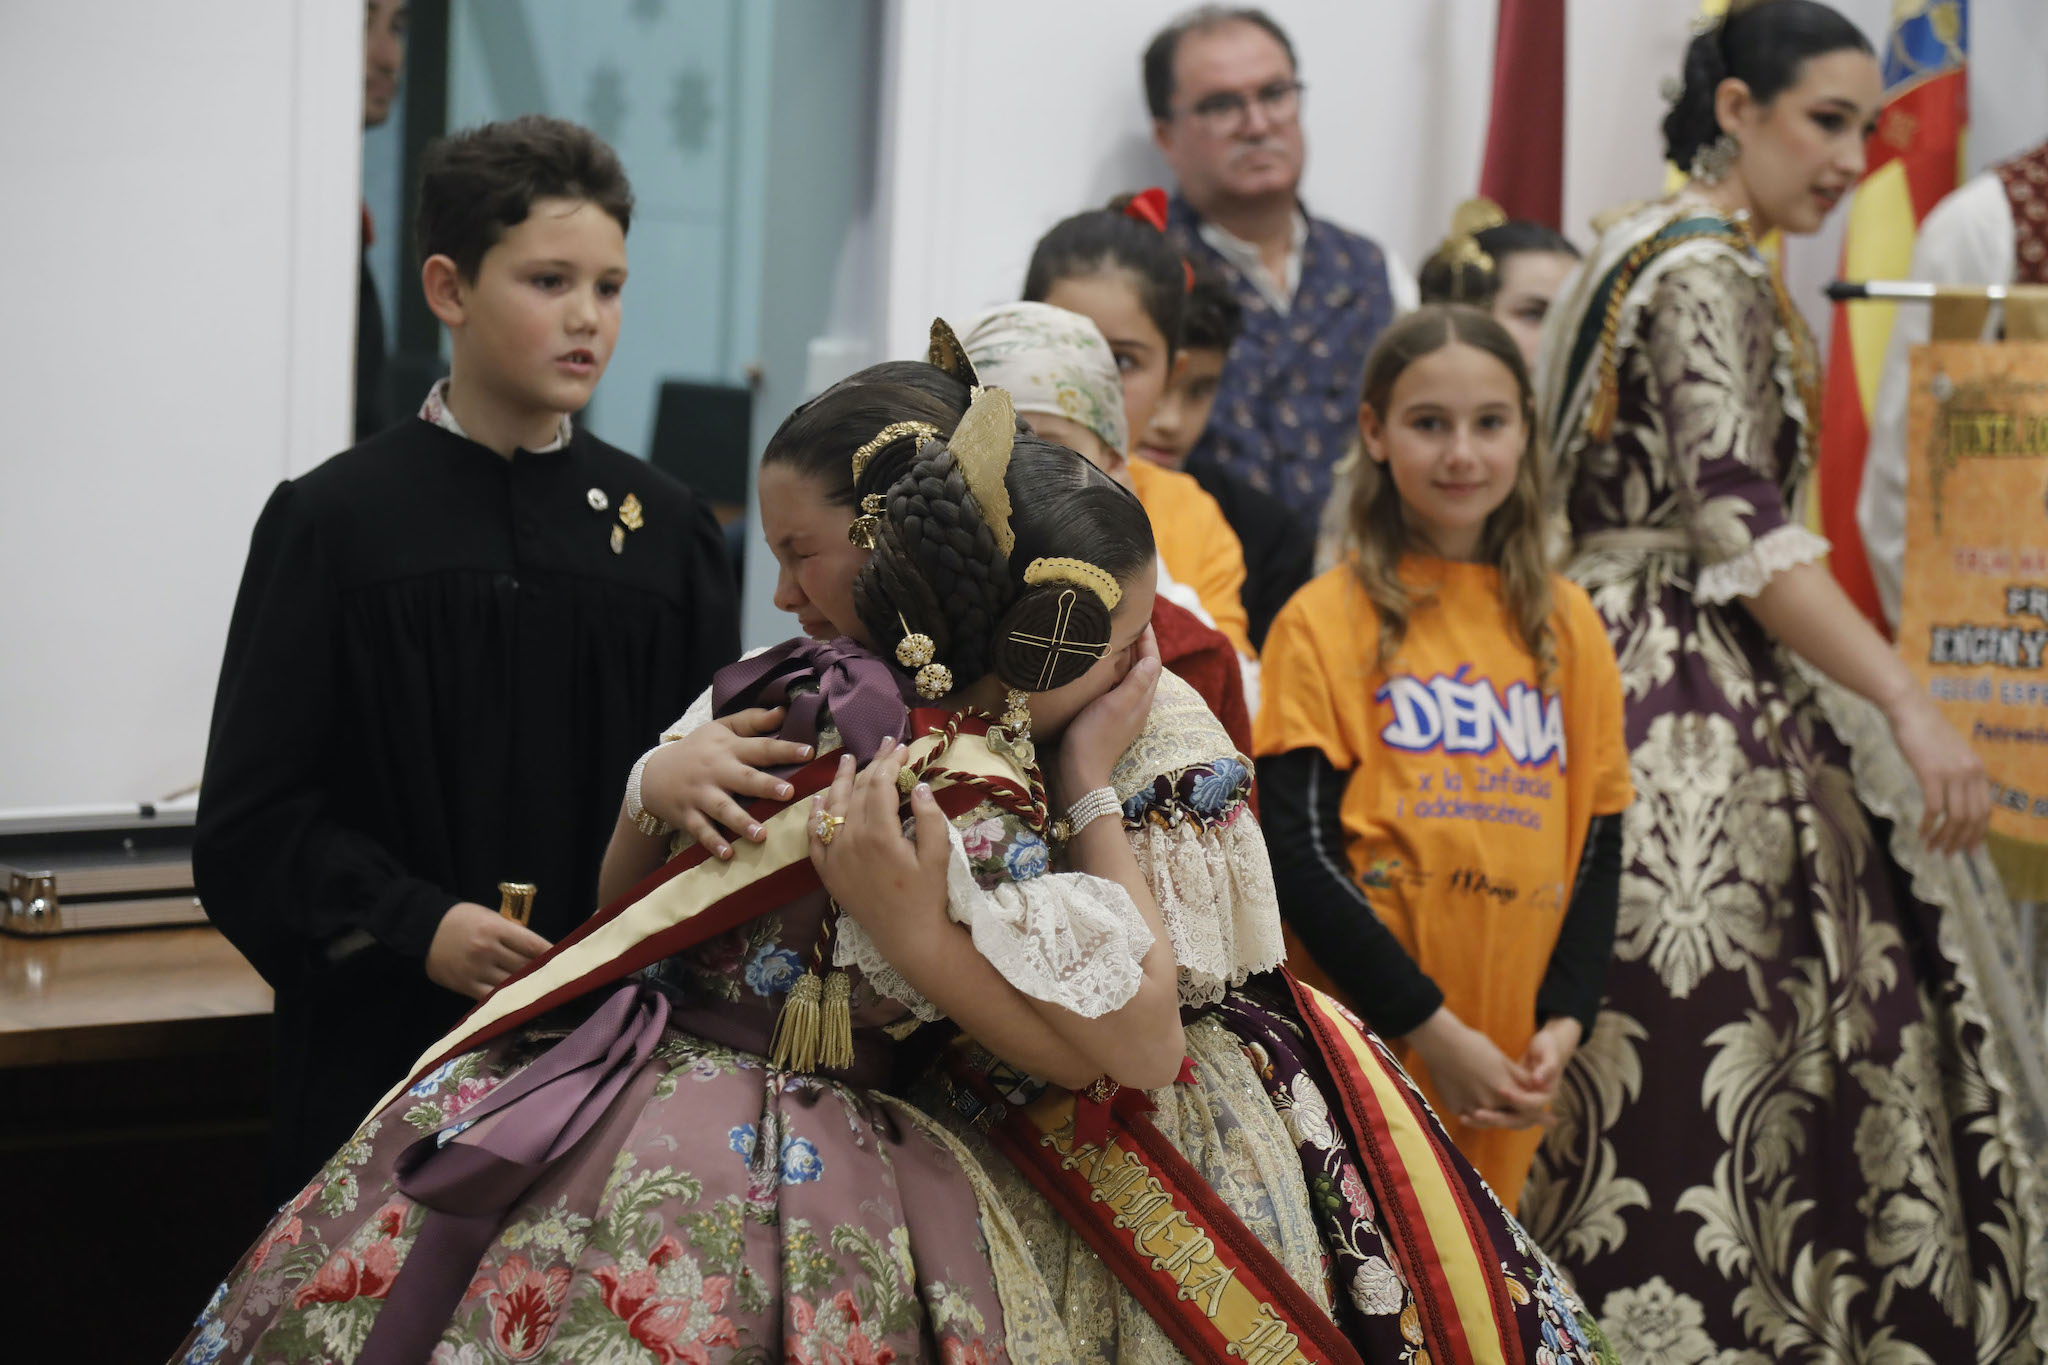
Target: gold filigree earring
(868, 524)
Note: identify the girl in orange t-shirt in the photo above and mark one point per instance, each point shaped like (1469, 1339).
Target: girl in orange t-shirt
(1441, 755)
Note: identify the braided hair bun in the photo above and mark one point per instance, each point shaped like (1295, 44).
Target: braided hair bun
(938, 570)
(1054, 634)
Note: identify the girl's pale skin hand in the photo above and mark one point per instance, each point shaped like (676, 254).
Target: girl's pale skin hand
(1479, 1083)
(1952, 778)
(1550, 1051)
(1808, 613)
(696, 783)
(869, 867)
(1097, 737)
(895, 888)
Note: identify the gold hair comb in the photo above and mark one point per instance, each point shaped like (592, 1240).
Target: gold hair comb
(888, 435)
(1076, 573)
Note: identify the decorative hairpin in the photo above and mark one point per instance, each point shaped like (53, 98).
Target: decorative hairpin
(1076, 573)
(946, 353)
(916, 650)
(868, 525)
(1461, 250)
(889, 435)
(981, 447)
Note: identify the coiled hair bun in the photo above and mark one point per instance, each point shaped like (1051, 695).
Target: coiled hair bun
(1764, 45)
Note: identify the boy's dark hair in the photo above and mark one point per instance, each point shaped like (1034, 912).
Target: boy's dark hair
(1214, 316)
(1165, 46)
(477, 183)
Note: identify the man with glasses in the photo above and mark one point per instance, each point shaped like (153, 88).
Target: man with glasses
(1226, 112)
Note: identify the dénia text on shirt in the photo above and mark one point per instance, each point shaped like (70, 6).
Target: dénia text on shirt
(1456, 714)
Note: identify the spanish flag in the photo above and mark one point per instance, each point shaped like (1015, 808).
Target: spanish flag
(1915, 158)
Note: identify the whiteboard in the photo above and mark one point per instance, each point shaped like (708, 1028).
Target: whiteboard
(177, 336)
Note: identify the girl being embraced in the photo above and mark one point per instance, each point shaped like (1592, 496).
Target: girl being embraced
(1257, 1116)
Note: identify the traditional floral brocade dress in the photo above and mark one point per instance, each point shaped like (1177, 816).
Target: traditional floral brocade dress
(1808, 1125)
(721, 1211)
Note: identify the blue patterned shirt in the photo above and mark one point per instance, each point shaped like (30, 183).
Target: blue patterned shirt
(1288, 400)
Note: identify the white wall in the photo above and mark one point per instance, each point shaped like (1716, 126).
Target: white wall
(1000, 119)
(180, 241)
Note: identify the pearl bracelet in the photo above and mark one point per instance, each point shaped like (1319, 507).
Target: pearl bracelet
(1092, 807)
(645, 821)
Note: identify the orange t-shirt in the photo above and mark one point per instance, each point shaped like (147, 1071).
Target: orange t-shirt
(1200, 549)
(1470, 793)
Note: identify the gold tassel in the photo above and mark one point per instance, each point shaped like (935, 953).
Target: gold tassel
(835, 1029)
(795, 1045)
(1600, 414)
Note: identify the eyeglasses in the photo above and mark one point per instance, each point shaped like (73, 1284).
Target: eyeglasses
(1226, 111)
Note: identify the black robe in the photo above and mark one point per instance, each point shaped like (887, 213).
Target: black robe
(437, 677)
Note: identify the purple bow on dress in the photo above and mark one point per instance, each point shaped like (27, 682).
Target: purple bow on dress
(866, 698)
(470, 1175)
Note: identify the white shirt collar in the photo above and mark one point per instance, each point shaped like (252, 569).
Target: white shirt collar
(435, 410)
(1244, 257)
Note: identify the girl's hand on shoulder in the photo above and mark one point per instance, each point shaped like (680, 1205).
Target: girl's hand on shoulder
(888, 882)
(1478, 1082)
(1097, 737)
(695, 783)
(1952, 778)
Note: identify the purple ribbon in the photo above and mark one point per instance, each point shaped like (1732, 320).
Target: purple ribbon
(867, 698)
(470, 1181)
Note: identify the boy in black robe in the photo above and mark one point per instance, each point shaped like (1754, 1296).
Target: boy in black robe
(450, 644)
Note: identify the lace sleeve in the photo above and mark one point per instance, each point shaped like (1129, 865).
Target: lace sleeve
(1769, 555)
(1067, 938)
(1201, 850)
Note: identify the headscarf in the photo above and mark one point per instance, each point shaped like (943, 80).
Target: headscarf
(1051, 361)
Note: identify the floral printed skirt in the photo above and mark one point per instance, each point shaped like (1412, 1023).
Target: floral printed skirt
(748, 1214)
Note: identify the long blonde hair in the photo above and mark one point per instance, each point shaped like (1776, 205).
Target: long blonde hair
(1512, 539)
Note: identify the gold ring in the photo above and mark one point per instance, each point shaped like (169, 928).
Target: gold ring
(828, 826)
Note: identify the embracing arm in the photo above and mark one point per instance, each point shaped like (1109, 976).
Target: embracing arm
(939, 958)
(693, 781)
(898, 892)
(1144, 1036)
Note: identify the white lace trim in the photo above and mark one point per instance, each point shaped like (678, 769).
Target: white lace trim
(1786, 547)
(1066, 938)
(1215, 892)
